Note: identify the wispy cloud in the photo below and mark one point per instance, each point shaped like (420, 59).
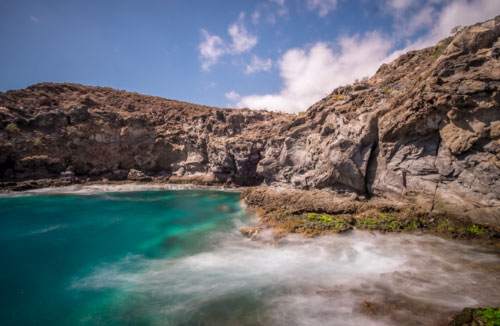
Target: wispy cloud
(212, 47)
(258, 64)
(255, 17)
(232, 96)
(323, 7)
(400, 5)
(34, 19)
(242, 40)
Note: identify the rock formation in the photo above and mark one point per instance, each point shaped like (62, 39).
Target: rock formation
(425, 129)
(49, 130)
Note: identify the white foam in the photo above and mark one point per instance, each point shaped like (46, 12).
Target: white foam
(124, 187)
(314, 281)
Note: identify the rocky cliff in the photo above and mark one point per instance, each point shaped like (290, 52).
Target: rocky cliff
(425, 130)
(51, 130)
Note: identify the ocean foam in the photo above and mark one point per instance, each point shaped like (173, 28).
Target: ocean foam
(321, 281)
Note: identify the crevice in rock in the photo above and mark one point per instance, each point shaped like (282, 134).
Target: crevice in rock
(371, 168)
(440, 176)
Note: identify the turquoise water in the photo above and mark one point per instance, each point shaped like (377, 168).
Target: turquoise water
(176, 258)
(49, 242)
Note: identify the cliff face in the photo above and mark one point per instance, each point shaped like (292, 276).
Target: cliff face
(49, 129)
(425, 129)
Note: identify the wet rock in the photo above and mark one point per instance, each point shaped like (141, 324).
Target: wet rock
(251, 232)
(136, 175)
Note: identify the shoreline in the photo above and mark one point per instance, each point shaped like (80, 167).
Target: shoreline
(80, 186)
(286, 210)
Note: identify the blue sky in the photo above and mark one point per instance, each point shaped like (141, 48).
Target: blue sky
(275, 54)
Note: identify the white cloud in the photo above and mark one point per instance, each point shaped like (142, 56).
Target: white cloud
(211, 48)
(232, 96)
(407, 25)
(258, 64)
(34, 19)
(243, 41)
(464, 13)
(400, 5)
(459, 12)
(322, 6)
(310, 74)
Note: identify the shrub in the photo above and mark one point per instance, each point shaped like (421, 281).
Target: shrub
(37, 142)
(387, 91)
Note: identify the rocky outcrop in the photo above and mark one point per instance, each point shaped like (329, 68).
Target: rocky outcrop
(425, 130)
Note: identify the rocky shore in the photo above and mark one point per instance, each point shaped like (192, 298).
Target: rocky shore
(316, 212)
(414, 148)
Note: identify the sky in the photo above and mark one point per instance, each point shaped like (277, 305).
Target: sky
(281, 55)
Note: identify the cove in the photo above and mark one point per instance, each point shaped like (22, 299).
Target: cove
(167, 257)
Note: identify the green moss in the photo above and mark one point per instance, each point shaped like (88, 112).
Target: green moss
(491, 316)
(12, 127)
(477, 230)
(367, 222)
(394, 225)
(388, 223)
(445, 225)
(320, 218)
(314, 224)
(412, 226)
